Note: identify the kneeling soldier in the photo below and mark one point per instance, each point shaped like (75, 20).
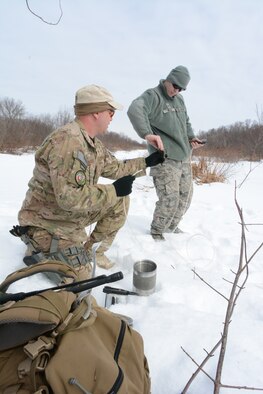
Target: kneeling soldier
(64, 196)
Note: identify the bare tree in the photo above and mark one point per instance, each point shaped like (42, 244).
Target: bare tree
(240, 278)
(11, 109)
(62, 117)
(259, 113)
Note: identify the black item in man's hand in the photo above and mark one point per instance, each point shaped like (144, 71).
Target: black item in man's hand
(123, 186)
(155, 158)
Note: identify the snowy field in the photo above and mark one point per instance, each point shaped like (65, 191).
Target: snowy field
(183, 311)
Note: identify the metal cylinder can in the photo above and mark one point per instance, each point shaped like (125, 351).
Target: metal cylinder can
(144, 277)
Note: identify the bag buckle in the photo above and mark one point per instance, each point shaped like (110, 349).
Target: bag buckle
(42, 361)
(32, 349)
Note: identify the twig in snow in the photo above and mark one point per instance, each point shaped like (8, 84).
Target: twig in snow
(218, 292)
(236, 289)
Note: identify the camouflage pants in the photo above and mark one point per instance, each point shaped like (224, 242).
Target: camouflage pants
(108, 221)
(174, 189)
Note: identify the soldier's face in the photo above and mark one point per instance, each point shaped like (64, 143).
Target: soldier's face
(172, 90)
(104, 120)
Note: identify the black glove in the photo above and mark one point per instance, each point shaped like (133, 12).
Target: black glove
(18, 231)
(155, 158)
(123, 186)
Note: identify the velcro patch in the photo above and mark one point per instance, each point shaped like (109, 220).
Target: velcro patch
(80, 178)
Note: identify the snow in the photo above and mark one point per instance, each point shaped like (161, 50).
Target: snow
(183, 311)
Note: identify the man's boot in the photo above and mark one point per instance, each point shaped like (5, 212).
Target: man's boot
(102, 260)
(157, 237)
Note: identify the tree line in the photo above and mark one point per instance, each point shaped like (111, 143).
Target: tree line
(239, 141)
(20, 132)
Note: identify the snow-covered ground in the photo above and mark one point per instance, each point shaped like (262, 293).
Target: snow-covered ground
(183, 311)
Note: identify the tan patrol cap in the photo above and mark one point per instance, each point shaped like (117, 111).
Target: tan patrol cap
(93, 94)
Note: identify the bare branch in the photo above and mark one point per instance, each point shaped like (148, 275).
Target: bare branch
(229, 281)
(218, 292)
(242, 387)
(199, 366)
(256, 251)
(259, 113)
(11, 109)
(249, 172)
(253, 224)
(236, 289)
(40, 17)
(232, 300)
(208, 352)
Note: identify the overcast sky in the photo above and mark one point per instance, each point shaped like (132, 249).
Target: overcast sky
(127, 46)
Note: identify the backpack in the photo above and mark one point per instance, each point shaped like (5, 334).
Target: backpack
(62, 342)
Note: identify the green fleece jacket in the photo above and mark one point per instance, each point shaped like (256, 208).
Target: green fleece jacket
(154, 112)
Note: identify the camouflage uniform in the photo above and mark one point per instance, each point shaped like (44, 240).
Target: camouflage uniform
(155, 112)
(64, 197)
(173, 184)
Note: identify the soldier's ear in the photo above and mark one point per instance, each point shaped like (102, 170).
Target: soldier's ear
(95, 115)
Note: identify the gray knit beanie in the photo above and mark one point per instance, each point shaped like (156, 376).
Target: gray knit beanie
(179, 76)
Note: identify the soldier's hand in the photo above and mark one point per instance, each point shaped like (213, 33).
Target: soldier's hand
(197, 143)
(123, 186)
(155, 158)
(155, 140)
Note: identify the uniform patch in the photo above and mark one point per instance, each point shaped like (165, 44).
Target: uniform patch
(80, 178)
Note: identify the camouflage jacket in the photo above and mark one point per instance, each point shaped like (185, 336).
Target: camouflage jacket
(64, 190)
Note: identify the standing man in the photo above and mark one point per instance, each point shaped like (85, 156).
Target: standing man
(159, 116)
(64, 195)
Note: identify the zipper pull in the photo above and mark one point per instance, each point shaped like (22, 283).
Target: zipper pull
(75, 382)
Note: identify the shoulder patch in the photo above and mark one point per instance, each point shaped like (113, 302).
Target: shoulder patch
(80, 178)
(81, 158)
